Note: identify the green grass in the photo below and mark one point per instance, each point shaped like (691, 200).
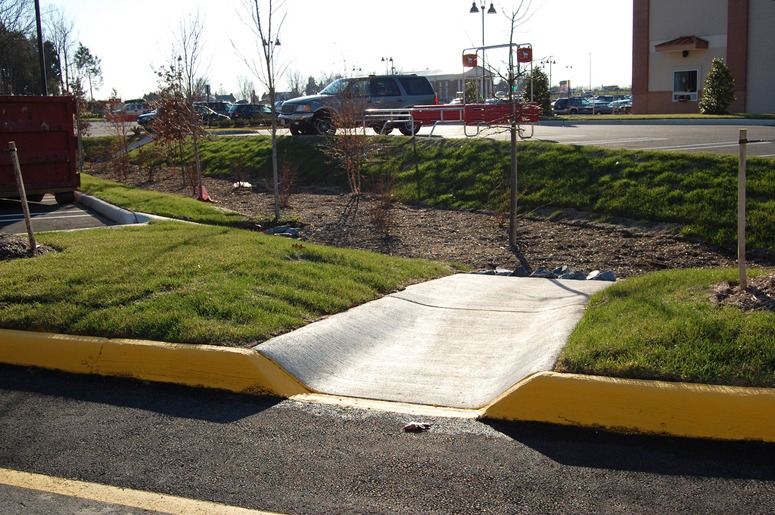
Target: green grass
(663, 326)
(162, 204)
(177, 282)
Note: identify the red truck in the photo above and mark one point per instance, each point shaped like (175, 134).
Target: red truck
(43, 129)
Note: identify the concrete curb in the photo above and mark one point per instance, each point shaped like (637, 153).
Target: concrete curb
(116, 214)
(236, 370)
(621, 405)
(638, 406)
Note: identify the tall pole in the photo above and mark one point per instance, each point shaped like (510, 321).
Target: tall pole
(491, 10)
(484, 66)
(41, 55)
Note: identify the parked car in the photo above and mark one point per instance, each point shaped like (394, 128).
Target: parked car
(259, 112)
(146, 118)
(133, 108)
(209, 117)
(317, 114)
(623, 105)
(217, 106)
(600, 104)
(572, 105)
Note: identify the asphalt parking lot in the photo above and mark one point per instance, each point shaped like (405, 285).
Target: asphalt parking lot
(47, 215)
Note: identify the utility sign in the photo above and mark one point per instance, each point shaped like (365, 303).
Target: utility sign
(469, 60)
(525, 55)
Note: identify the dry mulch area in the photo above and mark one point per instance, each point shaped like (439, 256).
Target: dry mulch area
(475, 239)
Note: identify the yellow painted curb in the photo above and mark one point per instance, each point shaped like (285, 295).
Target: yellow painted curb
(233, 369)
(637, 406)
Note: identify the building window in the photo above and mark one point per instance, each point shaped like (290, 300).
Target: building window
(685, 85)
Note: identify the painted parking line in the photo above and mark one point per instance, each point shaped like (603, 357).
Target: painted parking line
(703, 146)
(619, 141)
(41, 216)
(117, 496)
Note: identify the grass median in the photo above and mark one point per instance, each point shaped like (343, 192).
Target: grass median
(664, 326)
(178, 282)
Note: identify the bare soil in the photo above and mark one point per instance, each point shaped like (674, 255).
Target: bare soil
(475, 239)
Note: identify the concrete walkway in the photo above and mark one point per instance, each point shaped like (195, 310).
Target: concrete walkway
(458, 342)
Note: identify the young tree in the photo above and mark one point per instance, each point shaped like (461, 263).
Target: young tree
(176, 118)
(512, 77)
(266, 30)
(189, 46)
(719, 90)
(350, 147)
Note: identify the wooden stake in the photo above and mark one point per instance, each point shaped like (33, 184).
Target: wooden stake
(22, 195)
(741, 209)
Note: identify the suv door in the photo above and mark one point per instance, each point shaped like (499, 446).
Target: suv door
(385, 94)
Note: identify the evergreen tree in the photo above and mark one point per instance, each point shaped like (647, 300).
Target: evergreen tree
(719, 90)
(540, 86)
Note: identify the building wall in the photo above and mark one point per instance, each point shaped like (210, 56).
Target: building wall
(761, 57)
(738, 31)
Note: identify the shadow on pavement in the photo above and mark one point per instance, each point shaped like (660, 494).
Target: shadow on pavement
(644, 453)
(177, 401)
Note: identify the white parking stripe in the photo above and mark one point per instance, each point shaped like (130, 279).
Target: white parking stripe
(700, 146)
(619, 141)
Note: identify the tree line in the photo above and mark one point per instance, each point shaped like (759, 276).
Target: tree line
(69, 65)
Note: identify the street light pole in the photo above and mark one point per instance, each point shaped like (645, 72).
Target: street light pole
(474, 9)
(392, 68)
(550, 61)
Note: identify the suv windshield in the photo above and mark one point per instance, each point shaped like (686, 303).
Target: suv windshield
(350, 87)
(335, 88)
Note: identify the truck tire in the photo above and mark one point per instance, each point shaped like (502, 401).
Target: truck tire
(406, 129)
(65, 197)
(323, 124)
(378, 129)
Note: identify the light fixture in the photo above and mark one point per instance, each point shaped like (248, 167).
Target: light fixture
(474, 8)
(491, 10)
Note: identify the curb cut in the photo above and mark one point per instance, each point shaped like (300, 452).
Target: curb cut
(613, 404)
(641, 406)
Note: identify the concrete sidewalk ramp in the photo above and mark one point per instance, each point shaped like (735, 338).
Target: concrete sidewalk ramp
(458, 342)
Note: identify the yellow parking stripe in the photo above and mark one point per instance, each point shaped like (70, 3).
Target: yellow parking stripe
(118, 496)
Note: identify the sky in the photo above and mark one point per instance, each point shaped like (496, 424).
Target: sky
(589, 45)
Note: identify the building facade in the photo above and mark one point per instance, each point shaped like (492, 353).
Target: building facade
(674, 44)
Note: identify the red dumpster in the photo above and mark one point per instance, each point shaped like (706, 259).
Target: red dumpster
(43, 130)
